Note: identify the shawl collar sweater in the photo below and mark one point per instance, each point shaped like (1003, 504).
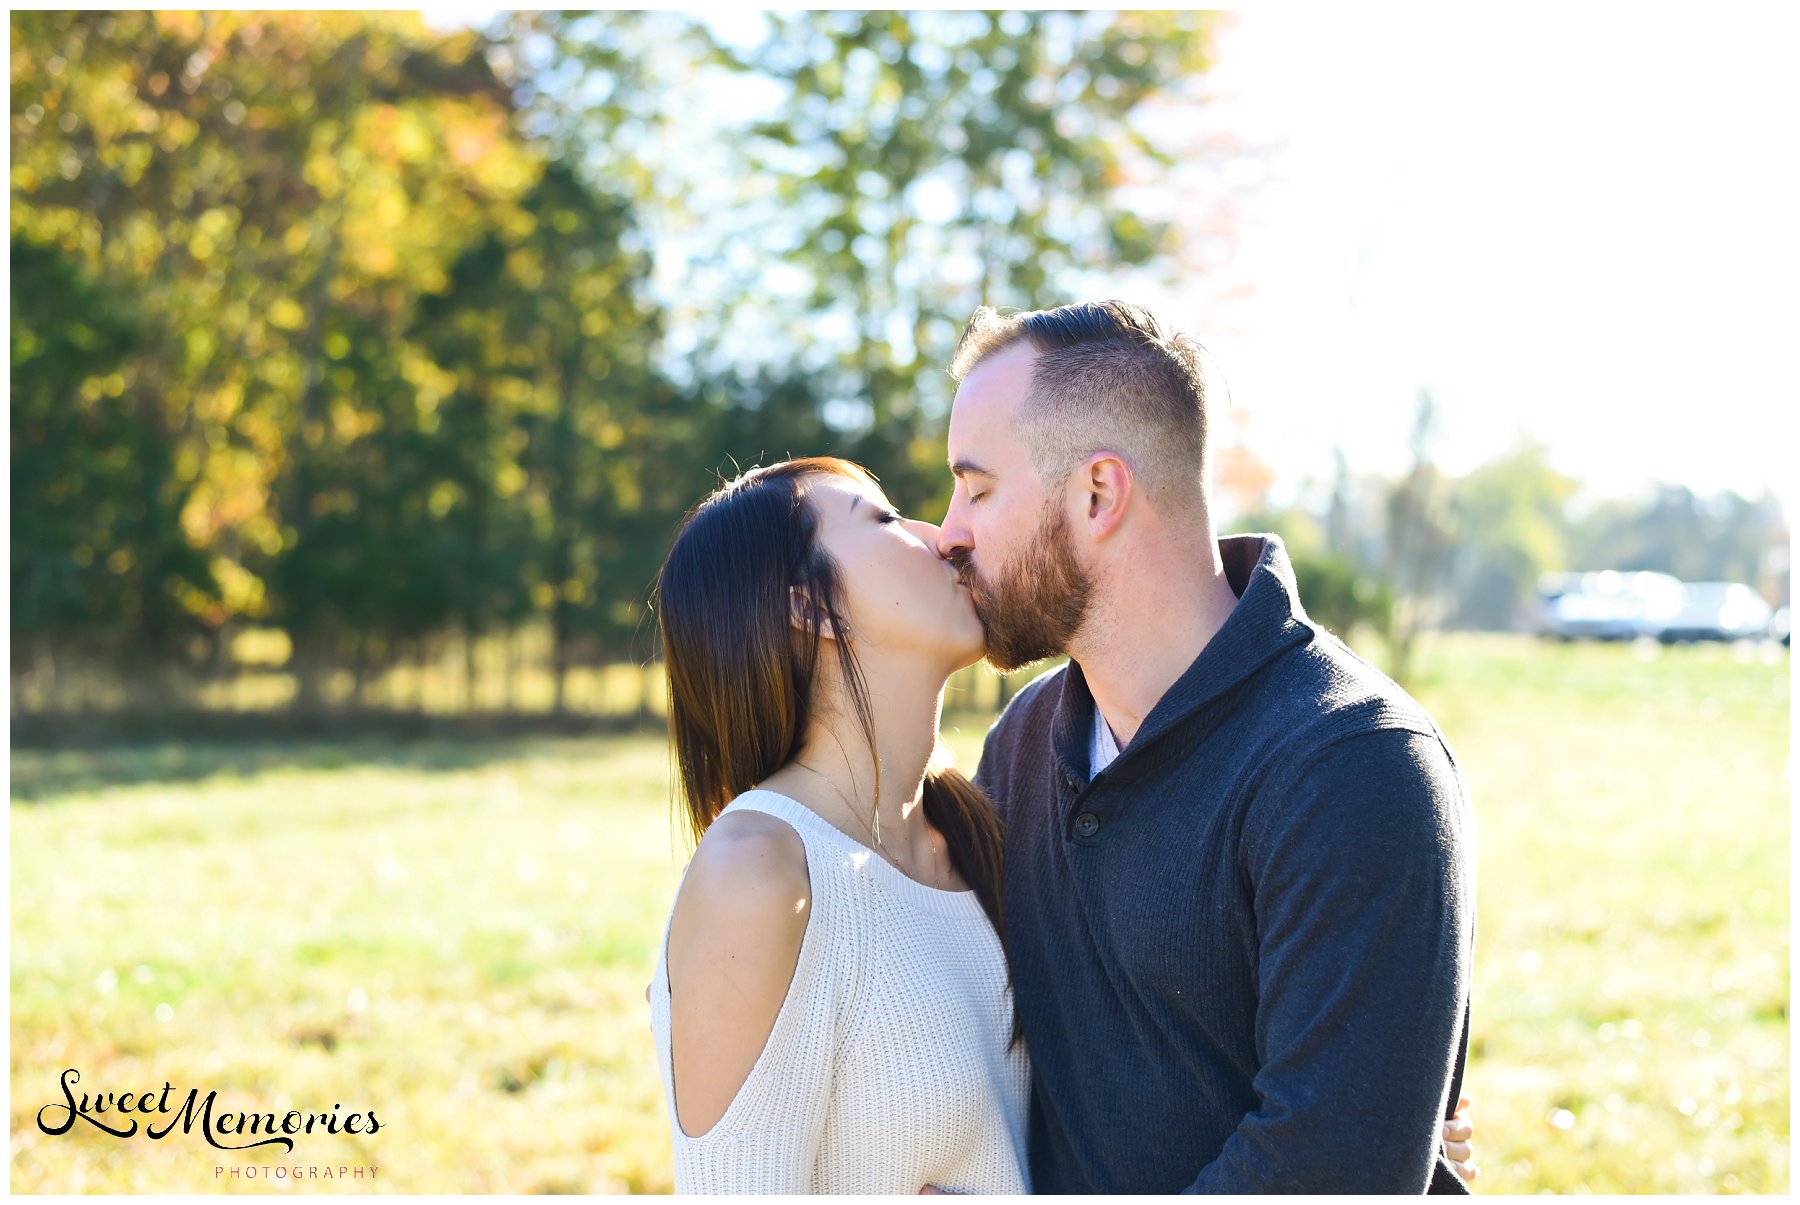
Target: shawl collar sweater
(1241, 952)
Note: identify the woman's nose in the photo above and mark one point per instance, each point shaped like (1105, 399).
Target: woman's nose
(928, 532)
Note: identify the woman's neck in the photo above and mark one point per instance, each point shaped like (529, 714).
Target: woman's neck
(837, 762)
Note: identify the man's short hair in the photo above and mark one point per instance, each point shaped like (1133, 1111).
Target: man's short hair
(1108, 377)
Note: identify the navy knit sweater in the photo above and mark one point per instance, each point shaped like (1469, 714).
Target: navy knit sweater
(1241, 953)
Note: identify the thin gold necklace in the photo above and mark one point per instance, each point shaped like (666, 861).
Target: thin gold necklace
(874, 833)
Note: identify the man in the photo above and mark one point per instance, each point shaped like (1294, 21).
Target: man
(1239, 894)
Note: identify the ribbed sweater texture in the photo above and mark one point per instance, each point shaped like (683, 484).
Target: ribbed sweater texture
(888, 1066)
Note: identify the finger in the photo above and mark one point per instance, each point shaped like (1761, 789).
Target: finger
(1459, 1152)
(929, 1191)
(1468, 1171)
(1458, 1131)
(1462, 1105)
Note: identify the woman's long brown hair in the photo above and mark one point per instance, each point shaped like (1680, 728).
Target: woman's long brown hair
(742, 681)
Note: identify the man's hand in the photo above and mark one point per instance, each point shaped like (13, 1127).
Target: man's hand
(1459, 1134)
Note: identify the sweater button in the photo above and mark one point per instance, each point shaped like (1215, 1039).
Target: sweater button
(1087, 824)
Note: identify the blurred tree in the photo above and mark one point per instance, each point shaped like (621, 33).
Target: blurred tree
(1241, 478)
(928, 162)
(273, 188)
(549, 338)
(1509, 527)
(97, 553)
(879, 175)
(351, 330)
(1722, 537)
(1335, 589)
(1342, 596)
(1418, 541)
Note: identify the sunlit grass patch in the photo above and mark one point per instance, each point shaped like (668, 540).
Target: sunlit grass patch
(458, 950)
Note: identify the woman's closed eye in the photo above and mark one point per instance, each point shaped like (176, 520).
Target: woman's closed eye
(887, 516)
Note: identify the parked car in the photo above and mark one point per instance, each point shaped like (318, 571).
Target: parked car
(1717, 611)
(1606, 606)
(1778, 626)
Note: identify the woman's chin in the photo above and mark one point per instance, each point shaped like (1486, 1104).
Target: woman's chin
(971, 653)
(957, 649)
(963, 663)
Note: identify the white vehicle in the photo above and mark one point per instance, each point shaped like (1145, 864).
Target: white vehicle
(1717, 611)
(1608, 605)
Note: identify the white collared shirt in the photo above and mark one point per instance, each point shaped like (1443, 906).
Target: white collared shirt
(1102, 746)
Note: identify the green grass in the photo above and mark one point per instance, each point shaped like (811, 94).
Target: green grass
(453, 937)
(458, 936)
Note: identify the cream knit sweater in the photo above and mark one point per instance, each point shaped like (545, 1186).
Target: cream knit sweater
(887, 1068)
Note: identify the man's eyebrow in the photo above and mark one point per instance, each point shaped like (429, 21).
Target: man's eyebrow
(958, 468)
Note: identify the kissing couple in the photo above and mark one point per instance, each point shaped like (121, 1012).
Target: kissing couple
(1203, 921)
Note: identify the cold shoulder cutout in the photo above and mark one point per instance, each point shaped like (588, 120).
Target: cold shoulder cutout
(887, 1065)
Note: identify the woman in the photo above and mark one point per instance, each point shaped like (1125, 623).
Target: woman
(830, 1004)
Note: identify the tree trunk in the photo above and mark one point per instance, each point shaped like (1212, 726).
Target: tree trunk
(306, 664)
(559, 657)
(471, 669)
(359, 670)
(509, 643)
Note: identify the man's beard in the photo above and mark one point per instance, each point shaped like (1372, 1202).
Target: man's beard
(1037, 602)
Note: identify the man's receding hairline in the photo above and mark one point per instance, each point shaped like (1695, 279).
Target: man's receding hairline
(1021, 338)
(999, 331)
(1023, 403)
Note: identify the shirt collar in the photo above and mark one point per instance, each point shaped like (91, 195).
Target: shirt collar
(1103, 748)
(1267, 621)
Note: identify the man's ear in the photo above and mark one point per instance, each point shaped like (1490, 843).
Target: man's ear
(1106, 490)
(806, 614)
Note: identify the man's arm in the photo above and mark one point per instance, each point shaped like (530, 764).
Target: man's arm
(1365, 908)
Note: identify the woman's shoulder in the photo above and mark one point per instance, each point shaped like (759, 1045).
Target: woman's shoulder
(749, 867)
(744, 903)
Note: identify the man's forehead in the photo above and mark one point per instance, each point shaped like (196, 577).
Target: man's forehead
(983, 413)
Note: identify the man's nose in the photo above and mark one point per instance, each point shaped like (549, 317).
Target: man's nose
(954, 534)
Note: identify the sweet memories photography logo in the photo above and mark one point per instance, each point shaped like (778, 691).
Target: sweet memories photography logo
(119, 1114)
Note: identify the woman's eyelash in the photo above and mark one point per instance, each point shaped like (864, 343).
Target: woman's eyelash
(888, 516)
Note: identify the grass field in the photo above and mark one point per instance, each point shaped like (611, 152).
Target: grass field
(457, 936)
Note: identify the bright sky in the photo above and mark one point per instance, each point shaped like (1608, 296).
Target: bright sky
(1565, 223)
